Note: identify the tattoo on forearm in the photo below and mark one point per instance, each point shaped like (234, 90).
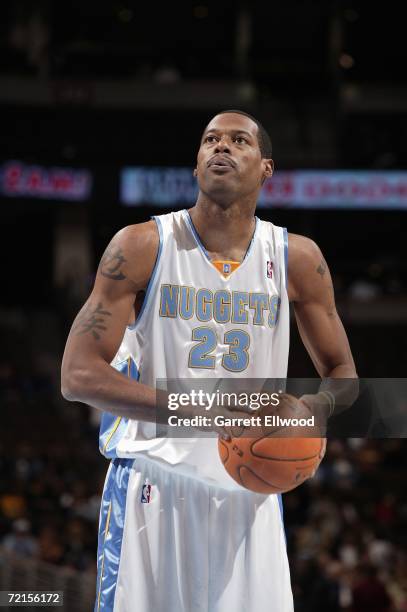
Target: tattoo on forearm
(111, 262)
(321, 268)
(92, 320)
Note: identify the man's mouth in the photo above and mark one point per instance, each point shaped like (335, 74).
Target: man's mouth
(220, 162)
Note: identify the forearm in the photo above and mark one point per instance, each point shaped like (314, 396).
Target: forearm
(346, 370)
(104, 388)
(337, 391)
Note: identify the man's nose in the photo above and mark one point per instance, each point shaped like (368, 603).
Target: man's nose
(223, 146)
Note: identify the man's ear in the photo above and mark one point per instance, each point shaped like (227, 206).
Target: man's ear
(268, 170)
(195, 172)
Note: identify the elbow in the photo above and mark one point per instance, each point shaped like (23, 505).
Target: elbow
(73, 384)
(67, 391)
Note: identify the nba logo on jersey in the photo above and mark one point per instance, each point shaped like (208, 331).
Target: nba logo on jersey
(269, 269)
(145, 493)
(226, 268)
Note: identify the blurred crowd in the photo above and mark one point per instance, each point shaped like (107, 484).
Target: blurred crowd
(51, 474)
(346, 528)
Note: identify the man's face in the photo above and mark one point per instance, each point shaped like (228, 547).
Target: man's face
(230, 165)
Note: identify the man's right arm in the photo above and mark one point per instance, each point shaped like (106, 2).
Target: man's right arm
(98, 329)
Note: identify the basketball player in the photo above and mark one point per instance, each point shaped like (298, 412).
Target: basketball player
(214, 283)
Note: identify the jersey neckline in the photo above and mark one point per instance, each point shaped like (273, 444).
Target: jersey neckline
(205, 253)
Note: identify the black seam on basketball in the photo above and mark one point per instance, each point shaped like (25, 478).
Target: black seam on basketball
(284, 458)
(240, 478)
(260, 456)
(257, 476)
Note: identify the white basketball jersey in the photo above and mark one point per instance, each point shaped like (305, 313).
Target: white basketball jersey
(198, 323)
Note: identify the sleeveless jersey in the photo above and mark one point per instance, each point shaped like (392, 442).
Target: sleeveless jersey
(197, 323)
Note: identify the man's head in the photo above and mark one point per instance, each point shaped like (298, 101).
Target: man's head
(234, 158)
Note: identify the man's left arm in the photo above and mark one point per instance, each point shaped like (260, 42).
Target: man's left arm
(311, 290)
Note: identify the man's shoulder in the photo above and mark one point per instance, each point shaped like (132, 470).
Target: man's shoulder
(139, 231)
(301, 243)
(302, 250)
(138, 237)
(135, 248)
(304, 258)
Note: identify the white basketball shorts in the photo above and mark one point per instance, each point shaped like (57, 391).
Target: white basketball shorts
(171, 543)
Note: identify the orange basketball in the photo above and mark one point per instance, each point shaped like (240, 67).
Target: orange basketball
(269, 464)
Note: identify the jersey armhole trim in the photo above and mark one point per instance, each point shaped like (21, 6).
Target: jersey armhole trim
(285, 235)
(151, 282)
(191, 225)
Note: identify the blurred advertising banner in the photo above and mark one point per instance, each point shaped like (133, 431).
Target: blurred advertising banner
(21, 180)
(161, 186)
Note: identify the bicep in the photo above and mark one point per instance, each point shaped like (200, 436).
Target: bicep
(124, 270)
(99, 326)
(318, 322)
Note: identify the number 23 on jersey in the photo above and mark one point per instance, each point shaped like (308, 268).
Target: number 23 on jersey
(235, 358)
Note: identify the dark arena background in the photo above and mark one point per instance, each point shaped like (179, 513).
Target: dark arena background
(102, 109)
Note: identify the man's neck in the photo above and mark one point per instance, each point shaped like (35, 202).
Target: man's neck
(226, 233)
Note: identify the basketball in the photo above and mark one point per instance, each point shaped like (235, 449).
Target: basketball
(265, 463)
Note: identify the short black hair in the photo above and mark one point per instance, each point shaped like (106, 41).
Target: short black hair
(262, 134)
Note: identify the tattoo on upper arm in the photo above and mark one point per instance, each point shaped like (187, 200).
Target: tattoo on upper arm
(111, 262)
(92, 320)
(321, 268)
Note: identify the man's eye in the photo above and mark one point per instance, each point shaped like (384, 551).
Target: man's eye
(210, 139)
(240, 140)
